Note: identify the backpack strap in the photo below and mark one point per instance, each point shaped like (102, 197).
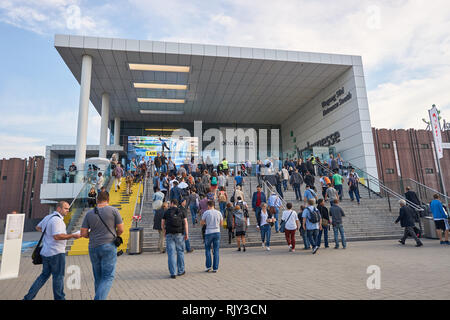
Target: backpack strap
(42, 236)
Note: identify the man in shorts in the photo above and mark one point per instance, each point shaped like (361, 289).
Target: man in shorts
(440, 219)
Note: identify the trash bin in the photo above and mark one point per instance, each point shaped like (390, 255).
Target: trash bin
(136, 241)
(429, 227)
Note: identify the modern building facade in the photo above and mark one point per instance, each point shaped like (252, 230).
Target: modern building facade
(285, 102)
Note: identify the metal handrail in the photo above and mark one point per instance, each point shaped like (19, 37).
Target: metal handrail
(387, 190)
(143, 195)
(427, 187)
(272, 188)
(79, 192)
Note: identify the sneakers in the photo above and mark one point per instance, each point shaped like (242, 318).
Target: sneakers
(315, 249)
(336, 247)
(239, 249)
(244, 248)
(207, 270)
(419, 244)
(267, 248)
(262, 245)
(181, 274)
(173, 277)
(402, 242)
(215, 271)
(192, 250)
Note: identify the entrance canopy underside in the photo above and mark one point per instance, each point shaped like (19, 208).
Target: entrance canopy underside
(224, 84)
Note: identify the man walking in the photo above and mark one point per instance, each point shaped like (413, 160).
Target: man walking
(53, 252)
(173, 223)
(118, 173)
(440, 219)
(258, 198)
(213, 220)
(296, 180)
(337, 182)
(159, 214)
(275, 202)
(336, 214)
(101, 226)
(406, 219)
(312, 223)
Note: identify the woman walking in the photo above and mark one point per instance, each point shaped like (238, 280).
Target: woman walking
(291, 225)
(265, 222)
(193, 203)
(228, 217)
(240, 226)
(223, 199)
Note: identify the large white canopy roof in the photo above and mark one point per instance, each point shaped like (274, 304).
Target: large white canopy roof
(224, 84)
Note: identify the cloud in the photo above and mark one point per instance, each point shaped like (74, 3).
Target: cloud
(47, 17)
(13, 146)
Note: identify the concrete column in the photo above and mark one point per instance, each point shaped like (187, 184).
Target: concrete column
(104, 125)
(85, 89)
(117, 131)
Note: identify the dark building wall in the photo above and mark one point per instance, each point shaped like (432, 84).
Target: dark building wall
(415, 157)
(20, 184)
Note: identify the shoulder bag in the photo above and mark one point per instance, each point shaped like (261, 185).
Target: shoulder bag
(283, 223)
(117, 239)
(36, 256)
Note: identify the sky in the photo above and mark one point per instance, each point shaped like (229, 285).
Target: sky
(404, 44)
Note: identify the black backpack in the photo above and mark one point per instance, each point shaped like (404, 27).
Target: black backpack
(175, 221)
(314, 216)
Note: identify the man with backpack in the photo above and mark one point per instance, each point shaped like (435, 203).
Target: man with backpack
(258, 198)
(324, 182)
(174, 222)
(309, 194)
(336, 214)
(353, 180)
(312, 223)
(296, 180)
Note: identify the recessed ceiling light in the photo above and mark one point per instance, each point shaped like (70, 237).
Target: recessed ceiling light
(158, 100)
(160, 86)
(158, 67)
(161, 112)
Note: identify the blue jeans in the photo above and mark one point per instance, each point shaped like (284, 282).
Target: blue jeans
(175, 252)
(187, 244)
(305, 238)
(54, 266)
(257, 212)
(214, 240)
(338, 188)
(276, 219)
(325, 237)
(103, 260)
(356, 192)
(222, 206)
(339, 228)
(285, 184)
(298, 193)
(265, 234)
(193, 208)
(313, 237)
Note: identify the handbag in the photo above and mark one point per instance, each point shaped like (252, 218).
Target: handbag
(117, 239)
(36, 255)
(283, 223)
(325, 222)
(224, 224)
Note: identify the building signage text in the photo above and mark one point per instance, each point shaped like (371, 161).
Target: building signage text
(325, 142)
(335, 101)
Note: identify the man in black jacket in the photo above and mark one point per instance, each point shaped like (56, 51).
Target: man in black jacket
(412, 197)
(406, 219)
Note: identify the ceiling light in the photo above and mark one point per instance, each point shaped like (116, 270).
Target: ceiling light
(160, 86)
(161, 112)
(157, 67)
(158, 100)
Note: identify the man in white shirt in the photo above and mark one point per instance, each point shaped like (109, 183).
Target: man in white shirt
(285, 174)
(53, 252)
(213, 220)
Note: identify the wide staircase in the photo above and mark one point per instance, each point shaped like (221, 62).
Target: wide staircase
(371, 220)
(126, 206)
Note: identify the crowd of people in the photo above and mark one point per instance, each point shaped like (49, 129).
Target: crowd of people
(199, 190)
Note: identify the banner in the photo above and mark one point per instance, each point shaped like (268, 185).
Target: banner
(436, 129)
(12, 246)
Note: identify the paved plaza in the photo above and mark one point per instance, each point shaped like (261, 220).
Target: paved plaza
(406, 273)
